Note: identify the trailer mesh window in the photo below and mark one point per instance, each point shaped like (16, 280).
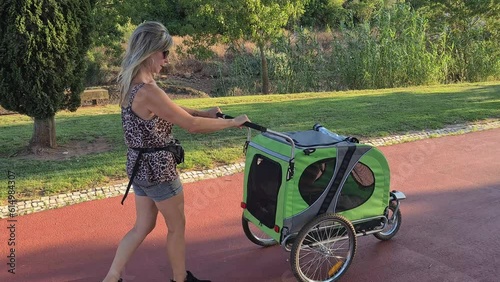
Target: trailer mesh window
(357, 189)
(264, 182)
(315, 178)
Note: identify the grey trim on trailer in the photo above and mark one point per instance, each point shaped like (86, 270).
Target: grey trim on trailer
(291, 161)
(360, 151)
(271, 153)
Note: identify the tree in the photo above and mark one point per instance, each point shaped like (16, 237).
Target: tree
(257, 21)
(173, 13)
(42, 51)
(108, 32)
(461, 15)
(108, 16)
(324, 13)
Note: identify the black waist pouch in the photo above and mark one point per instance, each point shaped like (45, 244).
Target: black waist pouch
(173, 147)
(177, 150)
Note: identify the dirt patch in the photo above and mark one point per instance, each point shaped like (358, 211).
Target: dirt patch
(69, 150)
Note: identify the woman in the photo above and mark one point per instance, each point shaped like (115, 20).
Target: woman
(148, 116)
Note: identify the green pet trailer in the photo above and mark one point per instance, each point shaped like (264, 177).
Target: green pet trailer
(314, 194)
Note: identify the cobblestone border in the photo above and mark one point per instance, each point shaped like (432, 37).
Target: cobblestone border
(52, 202)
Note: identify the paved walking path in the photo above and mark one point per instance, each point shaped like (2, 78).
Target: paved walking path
(451, 222)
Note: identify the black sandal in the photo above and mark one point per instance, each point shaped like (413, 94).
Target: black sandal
(190, 278)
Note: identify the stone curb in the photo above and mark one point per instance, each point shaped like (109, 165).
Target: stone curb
(57, 201)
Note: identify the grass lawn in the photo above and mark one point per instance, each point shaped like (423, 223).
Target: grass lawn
(372, 113)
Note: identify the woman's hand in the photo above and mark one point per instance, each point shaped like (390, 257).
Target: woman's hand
(240, 120)
(212, 113)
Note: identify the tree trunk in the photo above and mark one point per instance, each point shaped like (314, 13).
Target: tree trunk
(44, 133)
(265, 72)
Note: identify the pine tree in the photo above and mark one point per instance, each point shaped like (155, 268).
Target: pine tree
(43, 45)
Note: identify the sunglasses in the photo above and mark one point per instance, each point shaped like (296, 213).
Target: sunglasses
(165, 53)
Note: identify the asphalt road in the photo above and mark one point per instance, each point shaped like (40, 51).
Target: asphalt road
(450, 230)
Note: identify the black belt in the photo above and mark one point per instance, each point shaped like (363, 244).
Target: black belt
(174, 147)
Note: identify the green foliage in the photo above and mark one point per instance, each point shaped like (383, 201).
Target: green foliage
(260, 21)
(108, 16)
(175, 14)
(473, 37)
(298, 63)
(265, 20)
(363, 11)
(244, 69)
(198, 46)
(102, 66)
(441, 41)
(112, 26)
(42, 51)
(396, 48)
(322, 13)
(391, 51)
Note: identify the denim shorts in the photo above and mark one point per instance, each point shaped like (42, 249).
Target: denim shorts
(159, 191)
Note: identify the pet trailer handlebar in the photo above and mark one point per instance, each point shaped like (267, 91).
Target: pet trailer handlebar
(263, 130)
(247, 124)
(266, 130)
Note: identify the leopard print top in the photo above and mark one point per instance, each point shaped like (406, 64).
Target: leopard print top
(154, 167)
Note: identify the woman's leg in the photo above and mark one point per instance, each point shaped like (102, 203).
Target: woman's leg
(172, 210)
(146, 213)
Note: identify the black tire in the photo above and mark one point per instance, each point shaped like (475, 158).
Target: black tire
(255, 235)
(392, 227)
(322, 243)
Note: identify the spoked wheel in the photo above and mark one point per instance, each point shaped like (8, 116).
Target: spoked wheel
(256, 235)
(323, 249)
(392, 226)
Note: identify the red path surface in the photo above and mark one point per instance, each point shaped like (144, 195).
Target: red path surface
(450, 230)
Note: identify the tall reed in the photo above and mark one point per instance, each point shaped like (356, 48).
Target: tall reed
(395, 49)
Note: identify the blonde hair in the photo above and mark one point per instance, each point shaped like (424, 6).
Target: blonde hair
(147, 38)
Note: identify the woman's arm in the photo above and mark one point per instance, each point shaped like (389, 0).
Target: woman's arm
(211, 113)
(156, 101)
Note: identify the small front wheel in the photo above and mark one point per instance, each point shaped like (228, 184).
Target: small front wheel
(324, 249)
(256, 235)
(393, 224)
